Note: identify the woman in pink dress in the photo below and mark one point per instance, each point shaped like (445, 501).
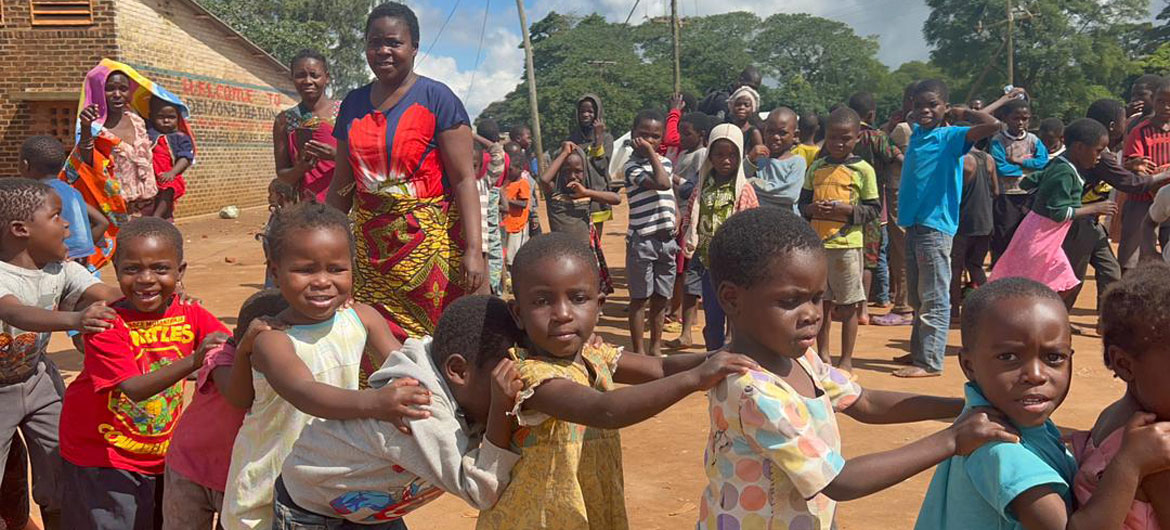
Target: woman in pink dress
(302, 137)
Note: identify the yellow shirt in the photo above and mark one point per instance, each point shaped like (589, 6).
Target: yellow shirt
(809, 152)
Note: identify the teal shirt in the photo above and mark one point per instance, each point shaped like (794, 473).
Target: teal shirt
(974, 492)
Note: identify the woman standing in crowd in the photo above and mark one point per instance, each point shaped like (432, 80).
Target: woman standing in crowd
(406, 174)
(302, 137)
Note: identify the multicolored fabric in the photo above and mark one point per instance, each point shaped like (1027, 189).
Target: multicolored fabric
(315, 183)
(872, 235)
(1092, 460)
(850, 182)
(602, 267)
(716, 204)
(166, 150)
(409, 239)
(97, 181)
(772, 450)
(1150, 140)
(569, 476)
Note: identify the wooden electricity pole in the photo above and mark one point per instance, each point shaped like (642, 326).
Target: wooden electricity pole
(1011, 49)
(533, 108)
(674, 28)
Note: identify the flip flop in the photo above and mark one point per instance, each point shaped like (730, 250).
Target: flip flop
(672, 327)
(915, 372)
(892, 319)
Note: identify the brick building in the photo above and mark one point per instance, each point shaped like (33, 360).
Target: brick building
(234, 88)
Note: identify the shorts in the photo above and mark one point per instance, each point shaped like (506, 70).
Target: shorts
(693, 277)
(650, 265)
(187, 504)
(104, 498)
(872, 233)
(512, 243)
(845, 287)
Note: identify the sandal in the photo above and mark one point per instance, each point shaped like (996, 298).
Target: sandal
(916, 372)
(892, 319)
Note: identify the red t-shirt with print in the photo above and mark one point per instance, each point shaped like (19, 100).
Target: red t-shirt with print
(101, 427)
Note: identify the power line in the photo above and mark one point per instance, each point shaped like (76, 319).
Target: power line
(483, 29)
(440, 33)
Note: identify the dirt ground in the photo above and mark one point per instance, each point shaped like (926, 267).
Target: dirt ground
(663, 456)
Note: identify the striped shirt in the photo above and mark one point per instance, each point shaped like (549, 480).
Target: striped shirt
(651, 210)
(1152, 141)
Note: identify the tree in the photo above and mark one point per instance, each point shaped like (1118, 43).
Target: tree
(1067, 52)
(285, 27)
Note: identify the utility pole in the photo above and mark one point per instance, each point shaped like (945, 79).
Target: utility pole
(533, 108)
(1011, 49)
(674, 28)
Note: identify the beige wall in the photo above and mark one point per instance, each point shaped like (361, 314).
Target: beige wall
(233, 92)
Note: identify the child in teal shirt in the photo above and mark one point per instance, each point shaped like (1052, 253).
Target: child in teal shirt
(1017, 355)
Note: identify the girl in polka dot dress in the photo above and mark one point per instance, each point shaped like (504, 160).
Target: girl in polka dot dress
(773, 458)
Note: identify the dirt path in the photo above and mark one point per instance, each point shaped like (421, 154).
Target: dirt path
(662, 457)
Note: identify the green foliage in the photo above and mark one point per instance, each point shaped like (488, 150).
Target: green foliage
(1067, 52)
(285, 27)
(807, 62)
(1159, 61)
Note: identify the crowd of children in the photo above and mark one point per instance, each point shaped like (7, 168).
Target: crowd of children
(777, 226)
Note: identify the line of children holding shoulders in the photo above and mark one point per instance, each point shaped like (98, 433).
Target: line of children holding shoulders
(768, 271)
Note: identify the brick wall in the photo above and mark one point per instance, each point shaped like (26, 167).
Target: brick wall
(234, 94)
(41, 65)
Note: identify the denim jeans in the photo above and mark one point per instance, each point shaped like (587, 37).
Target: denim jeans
(289, 516)
(928, 278)
(881, 276)
(715, 329)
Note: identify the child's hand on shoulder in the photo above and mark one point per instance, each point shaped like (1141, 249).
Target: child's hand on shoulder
(506, 385)
(94, 319)
(1146, 445)
(258, 326)
(399, 401)
(979, 426)
(209, 342)
(720, 365)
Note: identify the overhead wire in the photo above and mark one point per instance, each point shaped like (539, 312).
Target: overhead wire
(440, 33)
(479, 51)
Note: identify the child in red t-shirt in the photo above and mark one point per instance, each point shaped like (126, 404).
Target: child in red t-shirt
(120, 412)
(516, 203)
(172, 152)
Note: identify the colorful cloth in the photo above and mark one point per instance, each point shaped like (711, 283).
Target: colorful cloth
(1092, 459)
(516, 219)
(100, 426)
(808, 152)
(569, 476)
(1151, 140)
(410, 241)
(98, 182)
(602, 267)
(315, 183)
(651, 210)
(716, 204)
(745, 195)
(772, 450)
(332, 352)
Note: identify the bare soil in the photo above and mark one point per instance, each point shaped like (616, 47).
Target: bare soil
(663, 456)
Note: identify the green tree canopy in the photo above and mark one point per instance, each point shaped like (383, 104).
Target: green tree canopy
(285, 27)
(1067, 52)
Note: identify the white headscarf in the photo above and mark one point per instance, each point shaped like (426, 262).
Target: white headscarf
(723, 131)
(744, 91)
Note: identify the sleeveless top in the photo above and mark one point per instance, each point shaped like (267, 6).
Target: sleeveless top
(975, 207)
(332, 351)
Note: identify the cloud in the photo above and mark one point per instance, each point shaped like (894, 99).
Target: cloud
(896, 23)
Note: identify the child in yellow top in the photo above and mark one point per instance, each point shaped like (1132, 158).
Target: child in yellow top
(570, 473)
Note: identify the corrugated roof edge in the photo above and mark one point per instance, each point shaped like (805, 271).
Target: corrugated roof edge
(257, 50)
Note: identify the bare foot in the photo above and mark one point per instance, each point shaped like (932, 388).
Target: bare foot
(655, 351)
(846, 366)
(916, 372)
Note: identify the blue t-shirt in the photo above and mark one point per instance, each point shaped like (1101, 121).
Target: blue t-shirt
(975, 491)
(932, 178)
(73, 210)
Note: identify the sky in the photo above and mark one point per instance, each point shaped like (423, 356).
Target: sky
(481, 74)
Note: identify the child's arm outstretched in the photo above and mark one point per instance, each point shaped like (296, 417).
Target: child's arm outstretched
(274, 356)
(93, 319)
(380, 341)
(1145, 450)
(983, 123)
(884, 406)
(871, 473)
(146, 385)
(626, 406)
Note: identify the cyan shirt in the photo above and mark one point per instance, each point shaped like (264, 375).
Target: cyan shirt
(975, 491)
(778, 182)
(932, 178)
